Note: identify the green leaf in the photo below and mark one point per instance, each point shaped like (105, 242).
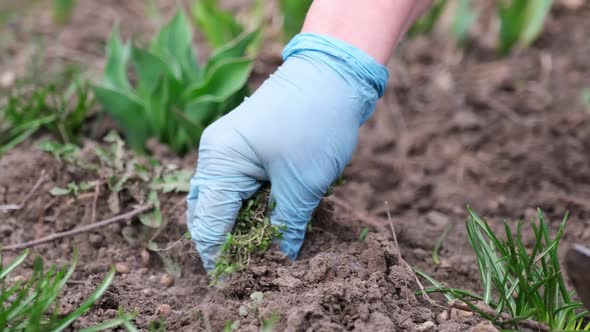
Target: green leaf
(174, 44)
(234, 49)
(116, 67)
(4, 271)
(100, 290)
(110, 324)
(57, 191)
(170, 264)
(150, 70)
(203, 110)
(128, 111)
(223, 80)
(536, 14)
(218, 26)
(464, 19)
(177, 181)
(426, 23)
(294, 13)
(153, 219)
(62, 10)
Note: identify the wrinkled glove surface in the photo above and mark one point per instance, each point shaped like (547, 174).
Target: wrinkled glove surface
(298, 131)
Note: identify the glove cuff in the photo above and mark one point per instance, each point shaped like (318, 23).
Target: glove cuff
(354, 60)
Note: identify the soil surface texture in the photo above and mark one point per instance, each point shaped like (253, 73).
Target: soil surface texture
(456, 128)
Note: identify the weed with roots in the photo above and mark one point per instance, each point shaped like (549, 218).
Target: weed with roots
(253, 233)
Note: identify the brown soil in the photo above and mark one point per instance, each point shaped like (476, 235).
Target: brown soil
(455, 128)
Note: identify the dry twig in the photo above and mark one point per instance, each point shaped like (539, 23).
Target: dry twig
(23, 203)
(83, 229)
(406, 265)
(94, 202)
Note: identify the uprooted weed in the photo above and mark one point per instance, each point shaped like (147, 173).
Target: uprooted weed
(253, 233)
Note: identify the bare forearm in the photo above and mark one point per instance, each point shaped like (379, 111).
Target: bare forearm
(374, 26)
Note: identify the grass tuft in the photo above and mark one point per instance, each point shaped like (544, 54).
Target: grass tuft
(252, 233)
(519, 283)
(32, 304)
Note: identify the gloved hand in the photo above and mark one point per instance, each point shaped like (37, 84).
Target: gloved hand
(298, 131)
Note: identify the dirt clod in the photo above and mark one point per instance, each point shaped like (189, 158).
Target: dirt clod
(166, 280)
(426, 327)
(442, 317)
(163, 310)
(145, 258)
(486, 326)
(122, 268)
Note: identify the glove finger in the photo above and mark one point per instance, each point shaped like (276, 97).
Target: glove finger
(214, 213)
(295, 200)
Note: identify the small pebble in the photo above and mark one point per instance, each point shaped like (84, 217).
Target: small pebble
(95, 240)
(457, 314)
(146, 292)
(426, 327)
(243, 311)
(7, 79)
(110, 313)
(257, 297)
(65, 309)
(122, 268)
(442, 317)
(163, 310)
(166, 280)
(145, 257)
(485, 326)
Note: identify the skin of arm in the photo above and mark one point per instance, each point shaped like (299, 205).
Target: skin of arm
(374, 26)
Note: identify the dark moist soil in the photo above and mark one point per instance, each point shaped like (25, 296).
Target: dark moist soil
(455, 128)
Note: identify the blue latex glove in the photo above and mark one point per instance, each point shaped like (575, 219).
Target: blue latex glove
(298, 131)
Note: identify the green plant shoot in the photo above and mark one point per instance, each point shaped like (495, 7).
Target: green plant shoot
(294, 13)
(521, 22)
(519, 283)
(174, 98)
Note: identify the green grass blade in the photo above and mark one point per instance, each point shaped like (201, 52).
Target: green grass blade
(4, 271)
(101, 289)
(439, 242)
(120, 320)
(536, 14)
(433, 281)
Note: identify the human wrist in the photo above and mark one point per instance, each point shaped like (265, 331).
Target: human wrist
(344, 58)
(374, 26)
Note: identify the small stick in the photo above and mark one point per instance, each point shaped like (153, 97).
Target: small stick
(363, 216)
(75, 231)
(96, 194)
(15, 207)
(528, 323)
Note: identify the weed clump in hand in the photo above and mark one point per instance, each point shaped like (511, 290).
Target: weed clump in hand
(253, 233)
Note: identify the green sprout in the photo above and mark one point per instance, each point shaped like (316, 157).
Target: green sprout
(31, 304)
(519, 284)
(173, 98)
(521, 22)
